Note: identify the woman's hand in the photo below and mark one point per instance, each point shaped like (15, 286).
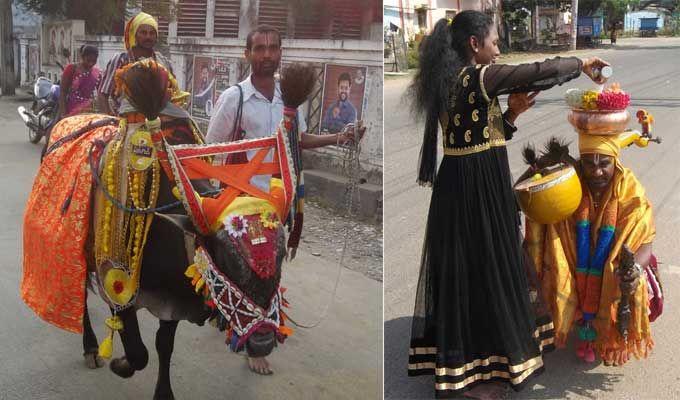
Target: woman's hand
(519, 103)
(593, 64)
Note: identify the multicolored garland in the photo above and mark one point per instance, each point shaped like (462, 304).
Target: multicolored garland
(589, 268)
(610, 99)
(243, 315)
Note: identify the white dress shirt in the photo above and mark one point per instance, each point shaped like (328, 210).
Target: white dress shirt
(259, 118)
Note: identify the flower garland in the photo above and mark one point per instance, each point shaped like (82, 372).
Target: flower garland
(610, 99)
(589, 268)
(130, 164)
(243, 316)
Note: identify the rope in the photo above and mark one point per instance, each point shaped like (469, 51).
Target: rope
(119, 205)
(350, 168)
(90, 126)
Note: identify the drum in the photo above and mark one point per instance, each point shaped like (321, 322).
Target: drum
(599, 122)
(551, 197)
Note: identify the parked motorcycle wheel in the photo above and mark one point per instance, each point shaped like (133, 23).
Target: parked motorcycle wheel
(34, 136)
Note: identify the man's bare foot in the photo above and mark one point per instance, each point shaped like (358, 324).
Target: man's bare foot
(259, 365)
(487, 391)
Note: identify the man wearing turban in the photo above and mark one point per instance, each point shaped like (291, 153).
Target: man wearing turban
(577, 260)
(141, 34)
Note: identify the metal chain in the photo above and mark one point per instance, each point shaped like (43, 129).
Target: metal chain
(133, 210)
(350, 168)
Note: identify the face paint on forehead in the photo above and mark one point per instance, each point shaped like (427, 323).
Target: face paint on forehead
(271, 38)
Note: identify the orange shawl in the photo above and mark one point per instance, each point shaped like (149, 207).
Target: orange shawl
(56, 224)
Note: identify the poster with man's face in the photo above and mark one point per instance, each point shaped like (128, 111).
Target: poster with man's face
(343, 96)
(202, 97)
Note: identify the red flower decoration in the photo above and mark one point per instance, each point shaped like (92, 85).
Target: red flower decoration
(118, 287)
(613, 101)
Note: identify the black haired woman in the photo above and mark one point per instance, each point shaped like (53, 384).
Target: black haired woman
(79, 83)
(473, 325)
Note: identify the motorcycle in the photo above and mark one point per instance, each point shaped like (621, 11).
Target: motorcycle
(44, 110)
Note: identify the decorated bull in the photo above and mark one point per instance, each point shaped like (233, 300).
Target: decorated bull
(127, 202)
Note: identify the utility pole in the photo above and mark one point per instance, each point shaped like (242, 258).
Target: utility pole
(574, 23)
(7, 76)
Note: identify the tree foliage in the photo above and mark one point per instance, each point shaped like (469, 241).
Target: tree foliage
(100, 16)
(615, 11)
(667, 5)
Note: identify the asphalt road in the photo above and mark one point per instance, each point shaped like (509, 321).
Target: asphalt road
(341, 358)
(648, 70)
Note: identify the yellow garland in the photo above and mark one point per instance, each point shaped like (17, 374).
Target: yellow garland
(590, 100)
(120, 235)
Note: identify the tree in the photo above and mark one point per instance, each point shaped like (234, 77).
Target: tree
(7, 76)
(615, 12)
(516, 12)
(588, 7)
(669, 5)
(100, 16)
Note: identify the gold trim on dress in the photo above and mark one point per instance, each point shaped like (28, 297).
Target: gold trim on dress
(466, 80)
(433, 350)
(545, 327)
(493, 374)
(515, 369)
(546, 342)
(481, 84)
(422, 365)
(463, 151)
(422, 350)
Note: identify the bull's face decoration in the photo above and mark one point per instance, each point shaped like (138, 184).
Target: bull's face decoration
(237, 264)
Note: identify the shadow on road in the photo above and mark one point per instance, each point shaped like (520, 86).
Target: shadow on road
(564, 375)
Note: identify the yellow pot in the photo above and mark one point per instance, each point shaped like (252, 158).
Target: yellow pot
(551, 198)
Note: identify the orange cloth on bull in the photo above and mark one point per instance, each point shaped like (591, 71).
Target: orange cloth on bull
(56, 225)
(553, 250)
(133, 24)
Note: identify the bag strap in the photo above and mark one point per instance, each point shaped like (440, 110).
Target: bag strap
(239, 114)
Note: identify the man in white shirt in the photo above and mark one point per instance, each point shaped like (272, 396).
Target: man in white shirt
(261, 113)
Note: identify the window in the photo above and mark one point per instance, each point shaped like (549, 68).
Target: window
(421, 15)
(226, 18)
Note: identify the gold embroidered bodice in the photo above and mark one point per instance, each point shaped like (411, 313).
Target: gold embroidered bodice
(473, 122)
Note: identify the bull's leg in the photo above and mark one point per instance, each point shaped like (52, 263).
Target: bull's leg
(165, 343)
(90, 346)
(136, 355)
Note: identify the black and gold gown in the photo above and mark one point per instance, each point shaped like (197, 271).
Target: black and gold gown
(473, 320)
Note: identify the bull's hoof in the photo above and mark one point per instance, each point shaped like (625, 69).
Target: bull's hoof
(121, 367)
(93, 361)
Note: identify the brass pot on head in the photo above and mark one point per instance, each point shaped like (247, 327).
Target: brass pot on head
(598, 122)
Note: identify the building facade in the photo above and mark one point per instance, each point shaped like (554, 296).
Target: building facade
(330, 32)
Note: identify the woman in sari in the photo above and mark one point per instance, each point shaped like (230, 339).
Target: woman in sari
(79, 83)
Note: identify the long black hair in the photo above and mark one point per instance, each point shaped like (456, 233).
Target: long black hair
(442, 54)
